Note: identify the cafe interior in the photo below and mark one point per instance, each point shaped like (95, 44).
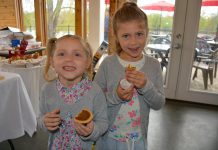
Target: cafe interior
(183, 37)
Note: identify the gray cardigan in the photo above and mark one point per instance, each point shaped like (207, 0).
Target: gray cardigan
(151, 96)
(94, 100)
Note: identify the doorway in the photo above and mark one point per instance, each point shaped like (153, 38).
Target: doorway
(180, 65)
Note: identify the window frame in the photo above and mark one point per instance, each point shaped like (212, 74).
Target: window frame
(41, 23)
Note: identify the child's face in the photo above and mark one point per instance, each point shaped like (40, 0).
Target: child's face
(132, 38)
(70, 61)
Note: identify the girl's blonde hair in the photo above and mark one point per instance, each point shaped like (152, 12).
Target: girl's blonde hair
(128, 12)
(51, 47)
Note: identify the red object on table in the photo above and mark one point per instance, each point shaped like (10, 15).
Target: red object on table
(20, 51)
(23, 46)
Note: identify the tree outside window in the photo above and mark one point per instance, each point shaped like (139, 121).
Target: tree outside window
(60, 17)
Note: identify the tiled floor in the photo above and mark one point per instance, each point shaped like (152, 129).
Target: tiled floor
(178, 126)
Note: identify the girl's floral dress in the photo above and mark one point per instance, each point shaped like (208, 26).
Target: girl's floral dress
(127, 123)
(66, 138)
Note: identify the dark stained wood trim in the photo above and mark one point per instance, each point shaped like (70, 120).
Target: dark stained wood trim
(41, 21)
(85, 19)
(19, 14)
(80, 18)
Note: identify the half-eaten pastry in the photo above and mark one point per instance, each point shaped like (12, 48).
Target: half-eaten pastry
(130, 67)
(84, 117)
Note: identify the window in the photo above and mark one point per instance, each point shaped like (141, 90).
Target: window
(29, 16)
(60, 17)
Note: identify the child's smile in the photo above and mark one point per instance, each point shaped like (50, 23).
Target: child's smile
(69, 68)
(70, 61)
(132, 37)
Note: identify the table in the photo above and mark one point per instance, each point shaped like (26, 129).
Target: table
(33, 80)
(213, 44)
(159, 47)
(162, 50)
(5, 53)
(17, 115)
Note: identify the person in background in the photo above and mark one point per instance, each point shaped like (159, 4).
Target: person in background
(63, 97)
(130, 93)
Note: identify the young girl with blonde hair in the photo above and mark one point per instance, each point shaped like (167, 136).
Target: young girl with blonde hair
(63, 97)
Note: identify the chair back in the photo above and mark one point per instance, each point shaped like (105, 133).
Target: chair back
(202, 47)
(215, 54)
(161, 40)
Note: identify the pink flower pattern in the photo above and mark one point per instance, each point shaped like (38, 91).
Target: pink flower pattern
(132, 114)
(66, 137)
(73, 94)
(136, 122)
(128, 121)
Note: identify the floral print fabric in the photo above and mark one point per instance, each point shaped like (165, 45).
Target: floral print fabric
(71, 95)
(127, 123)
(66, 137)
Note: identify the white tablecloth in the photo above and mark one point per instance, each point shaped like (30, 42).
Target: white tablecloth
(33, 80)
(16, 112)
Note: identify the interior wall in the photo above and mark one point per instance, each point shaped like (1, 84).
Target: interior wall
(7, 13)
(96, 23)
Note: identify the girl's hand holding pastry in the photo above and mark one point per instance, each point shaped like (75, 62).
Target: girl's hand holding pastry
(52, 120)
(84, 130)
(137, 78)
(125, 94)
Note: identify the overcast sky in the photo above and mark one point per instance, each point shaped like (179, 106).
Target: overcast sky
(206, 10)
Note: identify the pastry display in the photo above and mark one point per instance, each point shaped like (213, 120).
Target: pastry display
(84, 117)
(24, 61)
(35, 55)
(15, 59)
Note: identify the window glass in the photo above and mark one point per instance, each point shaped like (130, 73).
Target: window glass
(204, 72)
(29, 16)
(106, 20)
(87, 18)
(60, 17)
(160, 22)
